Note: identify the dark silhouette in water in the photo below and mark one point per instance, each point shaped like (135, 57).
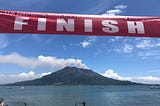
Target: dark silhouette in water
(25, 104)
(1, 101)
(83, 103)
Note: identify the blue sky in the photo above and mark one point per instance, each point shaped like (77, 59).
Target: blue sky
(27, 56)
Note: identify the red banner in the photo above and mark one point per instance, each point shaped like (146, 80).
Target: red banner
(51, 23)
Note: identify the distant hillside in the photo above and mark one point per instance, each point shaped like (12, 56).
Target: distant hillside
(73, 76)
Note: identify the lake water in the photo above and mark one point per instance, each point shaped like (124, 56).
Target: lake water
(92, 95)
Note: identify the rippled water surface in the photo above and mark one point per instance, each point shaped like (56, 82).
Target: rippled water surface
(92, 95)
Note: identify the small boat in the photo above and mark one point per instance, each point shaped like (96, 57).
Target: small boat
(22, 87)
(155, 87)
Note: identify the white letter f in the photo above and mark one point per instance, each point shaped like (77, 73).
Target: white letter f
(19, 22)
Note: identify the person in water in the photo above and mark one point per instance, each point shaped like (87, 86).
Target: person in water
(1, 102)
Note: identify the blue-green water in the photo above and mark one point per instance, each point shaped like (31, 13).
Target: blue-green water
(92, 95)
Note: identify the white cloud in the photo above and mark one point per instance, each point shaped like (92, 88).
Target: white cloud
(44, 74)
(154, 54)
(90, 40)
(111, 74)
(115, 38)
(64, 47)
(121, 6)
(59, 63)
(11, 78)
(116, 11)
(113, 12)
(146, 80)
(17, 59)
(148, 48)
(31, 74)
(145, 44)
(42, 61)
(85, 44)
(142, 47)
(126, 48)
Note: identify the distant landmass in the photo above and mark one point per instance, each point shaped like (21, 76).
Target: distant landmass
(73, 76)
